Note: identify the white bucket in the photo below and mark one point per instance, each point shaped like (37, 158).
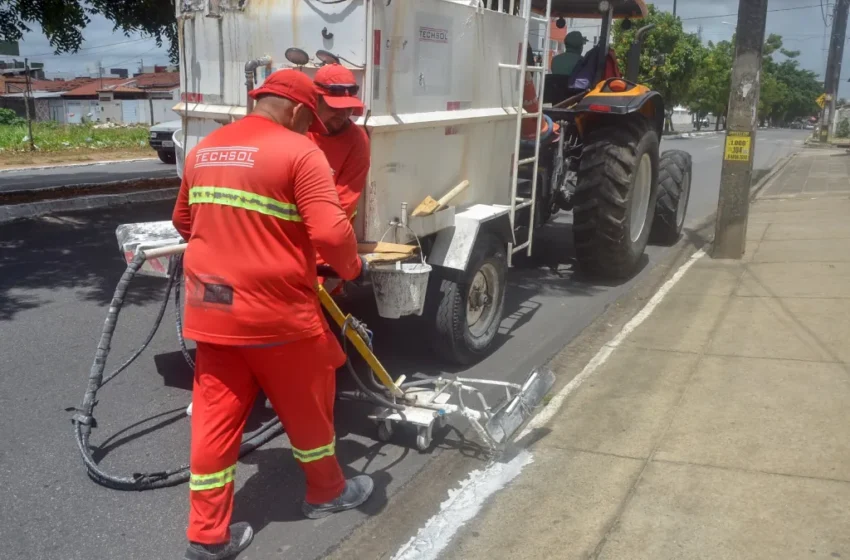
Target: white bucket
(400, 288)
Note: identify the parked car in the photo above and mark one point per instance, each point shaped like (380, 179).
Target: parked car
(161, 140)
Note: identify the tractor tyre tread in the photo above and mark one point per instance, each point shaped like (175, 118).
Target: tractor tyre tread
(674, 169)
(607, 169)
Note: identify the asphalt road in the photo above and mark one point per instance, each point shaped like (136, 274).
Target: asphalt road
(57, 275)
(69, 176)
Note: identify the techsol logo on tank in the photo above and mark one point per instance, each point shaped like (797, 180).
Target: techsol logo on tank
(433, 35)
(231, 156)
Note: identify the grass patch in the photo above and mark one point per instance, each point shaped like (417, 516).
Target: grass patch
(54, 137)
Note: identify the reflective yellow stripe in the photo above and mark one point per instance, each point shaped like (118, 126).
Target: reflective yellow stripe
(200, 482)
(311, 455)
(353, 214)
(245, 200)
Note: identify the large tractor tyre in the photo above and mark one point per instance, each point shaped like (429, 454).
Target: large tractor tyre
(674, 191)
(465, 313)
(614, 202)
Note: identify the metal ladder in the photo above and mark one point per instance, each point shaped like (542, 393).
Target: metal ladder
(517, 202)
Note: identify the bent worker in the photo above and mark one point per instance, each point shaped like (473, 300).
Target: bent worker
(565, 62)
(346, 145)
(256, 203)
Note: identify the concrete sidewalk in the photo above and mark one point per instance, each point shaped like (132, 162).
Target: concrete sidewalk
(719, 427)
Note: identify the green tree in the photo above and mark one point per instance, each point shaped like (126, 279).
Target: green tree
(63, 21)
(683, 53)
(843, 129)
(788, 92)
(709, 90)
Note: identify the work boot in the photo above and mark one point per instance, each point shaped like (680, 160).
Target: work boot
(357, 490)
(241, 535)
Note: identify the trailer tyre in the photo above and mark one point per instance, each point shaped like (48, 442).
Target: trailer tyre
(465, 314)
(616, 191)
(674, 191)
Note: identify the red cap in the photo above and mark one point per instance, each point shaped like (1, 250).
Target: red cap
(298, 88)
(338, 75)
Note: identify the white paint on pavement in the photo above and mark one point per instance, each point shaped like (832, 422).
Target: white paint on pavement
(605, 352)
(466, 501)
(713, 147)
(463, 504)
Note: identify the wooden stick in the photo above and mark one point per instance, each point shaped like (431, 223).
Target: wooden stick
(166, 251)
(451, 194)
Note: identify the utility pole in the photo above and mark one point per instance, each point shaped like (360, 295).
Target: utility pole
(674, 7)
(833, 66)
(736, 177)
(27, 97)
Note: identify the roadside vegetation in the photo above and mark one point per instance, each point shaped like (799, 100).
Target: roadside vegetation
(697, 75)
(57, 143)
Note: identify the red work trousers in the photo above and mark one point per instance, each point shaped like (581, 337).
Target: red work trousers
(299, 378)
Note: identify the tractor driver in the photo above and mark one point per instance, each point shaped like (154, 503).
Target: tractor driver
(564, 63)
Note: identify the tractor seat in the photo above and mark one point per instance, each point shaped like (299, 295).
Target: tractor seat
(557, 88)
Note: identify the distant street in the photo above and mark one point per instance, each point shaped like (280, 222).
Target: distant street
(57, 276)
(69, 176)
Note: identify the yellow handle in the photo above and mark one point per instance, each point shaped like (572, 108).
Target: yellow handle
(362, 348)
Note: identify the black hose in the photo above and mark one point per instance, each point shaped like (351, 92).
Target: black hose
(84, 419)
(178, 313)
(370, 395)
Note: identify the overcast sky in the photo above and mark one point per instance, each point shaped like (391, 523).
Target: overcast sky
(800, 24)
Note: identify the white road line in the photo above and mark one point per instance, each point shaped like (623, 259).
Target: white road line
(713, 147)
(464, 502)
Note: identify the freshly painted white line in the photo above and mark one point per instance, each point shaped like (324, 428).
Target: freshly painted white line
(461, 506)
(468, 499)
(84, 164)
(541, 418)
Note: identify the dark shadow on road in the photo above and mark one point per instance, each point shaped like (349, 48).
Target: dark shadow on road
(76, 250)
(275, 493)
(113, 442)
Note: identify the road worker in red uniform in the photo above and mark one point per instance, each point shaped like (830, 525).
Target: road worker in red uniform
(346, 145)
(256, 203)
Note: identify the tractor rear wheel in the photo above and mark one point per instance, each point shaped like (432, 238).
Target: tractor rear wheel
(615, 197)
(674, 191)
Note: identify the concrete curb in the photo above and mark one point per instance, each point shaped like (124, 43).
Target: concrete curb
(756, 190)
(13, 212)
(83, 164)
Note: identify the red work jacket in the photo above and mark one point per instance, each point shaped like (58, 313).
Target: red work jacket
(256, 203)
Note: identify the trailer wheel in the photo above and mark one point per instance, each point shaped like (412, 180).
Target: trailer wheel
(465, 314)
(674, 182)
(616, 190)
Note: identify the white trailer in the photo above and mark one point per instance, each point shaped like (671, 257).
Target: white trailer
(443, 84)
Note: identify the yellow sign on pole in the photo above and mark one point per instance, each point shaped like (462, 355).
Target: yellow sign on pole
(821, 101)
(738, 146)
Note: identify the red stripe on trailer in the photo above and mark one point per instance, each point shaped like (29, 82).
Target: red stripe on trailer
(452, 106)
(376, 47)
